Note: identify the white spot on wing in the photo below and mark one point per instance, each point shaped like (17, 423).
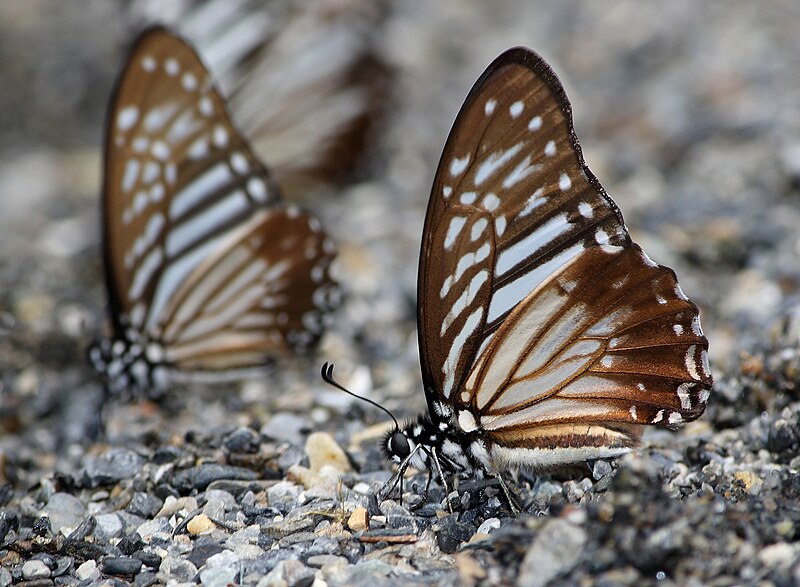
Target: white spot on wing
(453, 230)
(127, 117)
(494, 162)
(457, 166)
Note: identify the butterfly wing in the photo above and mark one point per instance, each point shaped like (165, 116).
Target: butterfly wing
(194, 233)
(528, 279)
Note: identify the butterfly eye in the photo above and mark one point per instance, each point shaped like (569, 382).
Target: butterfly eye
(399, 446)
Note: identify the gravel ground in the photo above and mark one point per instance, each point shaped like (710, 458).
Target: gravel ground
(688, 115)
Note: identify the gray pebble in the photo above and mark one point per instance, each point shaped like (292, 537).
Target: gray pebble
(556, 549)
(115, 465)
(88, 570)
(180, 569)
(64, 511)
(219, 576)
(108, 526)
(35, 569)
(145, 505)
(222, 559)
(286, 427)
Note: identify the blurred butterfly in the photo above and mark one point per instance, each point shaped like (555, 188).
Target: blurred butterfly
(546, 335)
(208, 273)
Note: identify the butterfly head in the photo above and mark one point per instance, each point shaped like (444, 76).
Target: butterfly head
(397, 446)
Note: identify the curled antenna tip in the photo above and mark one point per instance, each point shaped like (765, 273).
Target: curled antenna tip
(327, 376)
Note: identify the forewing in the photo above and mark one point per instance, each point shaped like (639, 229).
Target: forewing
(178, 177)
(512, 160)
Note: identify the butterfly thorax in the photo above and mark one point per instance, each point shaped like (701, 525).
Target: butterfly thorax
(437, 434)
(129, 365)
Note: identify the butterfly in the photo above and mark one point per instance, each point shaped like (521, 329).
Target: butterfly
(546, 335)
(209, 274)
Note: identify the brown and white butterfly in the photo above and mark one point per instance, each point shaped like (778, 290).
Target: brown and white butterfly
(208, 273)
(546, 335)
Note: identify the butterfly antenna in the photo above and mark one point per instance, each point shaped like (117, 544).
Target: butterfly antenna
(327, 375)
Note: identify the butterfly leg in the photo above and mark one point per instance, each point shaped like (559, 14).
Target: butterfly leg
(442, 479)
(512, 503)
(424, 493)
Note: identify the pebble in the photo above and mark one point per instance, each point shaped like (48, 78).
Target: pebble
(181, 569)
(88, 571)
(144, 505)
(358, 520)
(220, 576)
(203, 475)
(286, 427)
(65, 512)
(121, 565)
(780, 554)
(557, 547)
(35, 569)
(200, 524)
(322, 450)
(115, 465)
(108, 526)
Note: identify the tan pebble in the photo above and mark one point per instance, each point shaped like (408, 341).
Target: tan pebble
(323, 450)
(302, 476)
(200, 524)
(173, 505)
(752, 482)
(359, 520)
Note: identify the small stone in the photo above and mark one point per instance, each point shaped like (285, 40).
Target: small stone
(601, 469)
(172, 505)
(200, 524)
(359, 520)
(35, 569)
(145, 505)
(88, 571)
(153, 527)
(182, 570)
(323, 450)
(286, 427)
(319, 561)
(218, 495)
(220, 576)
(243, 440)
(488, 526)
(291, 573)
(556, 549)
(108, 526)
(778, 555)
(223, 558)
(247, 535)
(121, 565)
(65, 512)
(303, 476)
(203, 475)
(204, 549)
(752, 482)
(115, 465)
